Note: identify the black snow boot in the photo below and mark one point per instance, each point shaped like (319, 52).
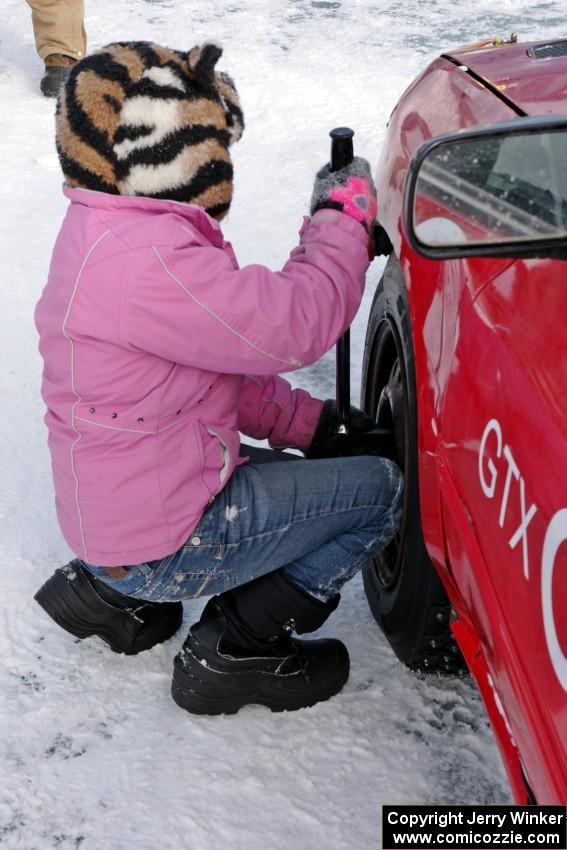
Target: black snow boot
(241, 651)
(85, 606)
(57, 69)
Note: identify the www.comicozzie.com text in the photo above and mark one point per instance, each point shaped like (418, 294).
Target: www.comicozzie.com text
(444, 819)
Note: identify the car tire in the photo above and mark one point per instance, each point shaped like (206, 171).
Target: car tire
(404, 592)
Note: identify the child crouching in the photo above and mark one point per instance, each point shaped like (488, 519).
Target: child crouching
(158, 351)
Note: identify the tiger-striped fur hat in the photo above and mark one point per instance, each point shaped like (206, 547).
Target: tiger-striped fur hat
(140, 119)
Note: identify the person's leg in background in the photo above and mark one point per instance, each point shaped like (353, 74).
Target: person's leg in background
(60, 39)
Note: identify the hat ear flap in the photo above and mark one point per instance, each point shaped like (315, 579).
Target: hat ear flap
(231, 105)
(202, 61)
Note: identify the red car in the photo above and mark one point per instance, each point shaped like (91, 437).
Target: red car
(466, 355)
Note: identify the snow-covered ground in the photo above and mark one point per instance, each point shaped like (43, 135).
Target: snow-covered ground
(93, 752)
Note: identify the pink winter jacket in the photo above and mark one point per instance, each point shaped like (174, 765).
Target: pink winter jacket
(158, 349)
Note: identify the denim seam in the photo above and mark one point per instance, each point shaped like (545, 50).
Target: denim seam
(162, 588)
(204, 544)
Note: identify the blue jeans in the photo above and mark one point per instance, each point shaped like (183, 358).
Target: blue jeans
(319, 521)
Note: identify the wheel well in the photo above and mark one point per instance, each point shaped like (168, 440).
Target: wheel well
(403, 589)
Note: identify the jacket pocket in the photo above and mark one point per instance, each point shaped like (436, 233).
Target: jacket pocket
(225, 455)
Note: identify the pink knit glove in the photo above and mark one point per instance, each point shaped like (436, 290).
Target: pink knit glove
(350, 190)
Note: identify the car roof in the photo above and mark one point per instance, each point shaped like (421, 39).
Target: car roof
(532, 75)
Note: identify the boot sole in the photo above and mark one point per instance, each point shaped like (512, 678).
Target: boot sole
(203, 690)
(66, 608)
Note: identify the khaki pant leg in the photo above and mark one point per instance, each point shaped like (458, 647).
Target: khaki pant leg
(58, 27)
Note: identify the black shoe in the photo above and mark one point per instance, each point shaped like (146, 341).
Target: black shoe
(218, 670)
(85, 606)
(57, 69)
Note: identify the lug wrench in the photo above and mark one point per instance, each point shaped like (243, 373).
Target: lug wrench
(342, 155)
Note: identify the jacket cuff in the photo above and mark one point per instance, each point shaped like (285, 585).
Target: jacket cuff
(339, 219)
(307, 425)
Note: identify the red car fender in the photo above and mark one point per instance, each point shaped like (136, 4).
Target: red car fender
(511, 634)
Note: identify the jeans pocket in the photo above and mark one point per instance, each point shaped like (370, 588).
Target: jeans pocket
(204, 548)
(204, 542)
(131, 584)
(181, 582)
(193, 585)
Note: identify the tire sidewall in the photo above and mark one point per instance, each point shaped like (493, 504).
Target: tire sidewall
(403, 609)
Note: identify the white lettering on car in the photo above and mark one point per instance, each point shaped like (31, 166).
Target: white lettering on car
(512, 470)
(488, 489)
(494, 430)
(493, 451)
(522, 531)
(555, 536)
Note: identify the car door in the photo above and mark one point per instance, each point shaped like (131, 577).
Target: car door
(503, 445)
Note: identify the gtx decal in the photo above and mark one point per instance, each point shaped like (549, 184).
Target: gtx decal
(489, 474)
(495, 459)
